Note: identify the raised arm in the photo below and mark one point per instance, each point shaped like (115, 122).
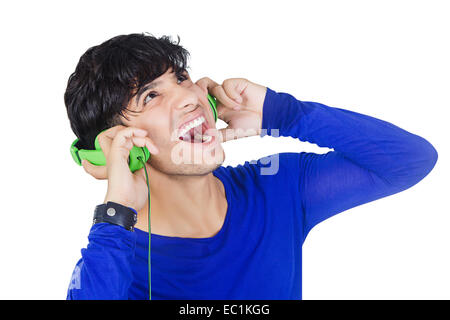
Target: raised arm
(372, 158)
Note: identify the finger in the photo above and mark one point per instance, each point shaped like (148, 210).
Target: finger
(106, 137)
(98, 172)
(223, 112)
(234, 87)
(207, 84)
(111, 132)
(123, 140)
(145, 142)
(221, 95)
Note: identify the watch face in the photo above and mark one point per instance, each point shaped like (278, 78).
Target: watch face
(111, 212)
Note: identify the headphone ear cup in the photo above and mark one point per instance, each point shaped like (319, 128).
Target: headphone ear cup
(133, 159)
(97, 156)
(213, 105)
(136, 153)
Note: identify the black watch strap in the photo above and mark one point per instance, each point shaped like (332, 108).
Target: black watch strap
(115, 213)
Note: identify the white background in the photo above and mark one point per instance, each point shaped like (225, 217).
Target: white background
(386, 59)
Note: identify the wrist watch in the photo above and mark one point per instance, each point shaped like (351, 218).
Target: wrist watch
(115, 213)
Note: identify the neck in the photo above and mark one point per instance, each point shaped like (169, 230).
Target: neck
(184, 206)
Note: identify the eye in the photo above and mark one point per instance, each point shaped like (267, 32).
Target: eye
(182, 77)
(151, 95)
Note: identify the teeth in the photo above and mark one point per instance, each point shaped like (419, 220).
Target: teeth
(199, 137)
(192, 124)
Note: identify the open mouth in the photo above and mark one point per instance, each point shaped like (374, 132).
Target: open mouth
(195, 131)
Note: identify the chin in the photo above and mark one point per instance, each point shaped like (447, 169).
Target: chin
(196, 170)
(187, 160)
(187, 154)
(204, 167)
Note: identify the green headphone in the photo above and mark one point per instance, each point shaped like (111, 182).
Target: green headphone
(97, 157)
(137, 159)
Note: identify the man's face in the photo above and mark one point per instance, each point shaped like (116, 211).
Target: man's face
(167, 106)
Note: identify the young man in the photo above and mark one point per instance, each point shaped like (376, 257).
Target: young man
(217, 232)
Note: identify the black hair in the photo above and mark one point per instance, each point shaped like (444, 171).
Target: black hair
(108, 76)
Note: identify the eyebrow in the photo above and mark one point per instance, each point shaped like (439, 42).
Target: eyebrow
(153, 85)
(149, 86)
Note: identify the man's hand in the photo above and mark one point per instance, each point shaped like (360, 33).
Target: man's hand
(239, 104)
(124, 187)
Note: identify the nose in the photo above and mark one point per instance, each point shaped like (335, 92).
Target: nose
(186, 99)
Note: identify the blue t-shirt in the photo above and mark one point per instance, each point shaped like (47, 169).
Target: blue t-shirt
(272, 205)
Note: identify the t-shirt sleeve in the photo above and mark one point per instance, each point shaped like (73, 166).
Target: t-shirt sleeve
(372, 158)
